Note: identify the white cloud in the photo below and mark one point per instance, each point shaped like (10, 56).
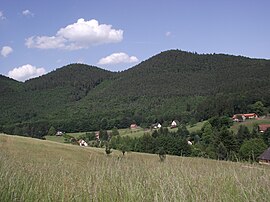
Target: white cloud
(27, 13)
(168, 34)
(117, 58)
(2, 17)
(6, 50)
(45, 42)
(79, 35)
(26, 72)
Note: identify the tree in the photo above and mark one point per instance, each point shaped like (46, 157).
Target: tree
(51, 131)
(115, 131)
(162, 154)
(207, 133)
(251, 149)
(182, 131)
(103, 135)
(123, 148)
(219, 122)
(266, 137)
(227, 138)
(222, 151)
(258, 108)
(108, 150)
(242, 134)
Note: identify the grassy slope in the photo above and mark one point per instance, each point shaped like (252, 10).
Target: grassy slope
(36, 170)
(249, 123)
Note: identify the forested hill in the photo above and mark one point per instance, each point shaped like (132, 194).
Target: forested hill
(8, 85)
(187, 74)
(171, 85)
(74, 75)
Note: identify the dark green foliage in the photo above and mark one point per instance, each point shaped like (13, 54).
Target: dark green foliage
(258, 108)
(227, 138)
(222, 152)
(51, 131)
(108, 150)
(103, 135)
(207, 134)
(251, 149)
(182, 131)
(124, 148)
(219, 122)
(171, 85)
(115, 131)
(162, 154)
(266, 137)
(243, 134)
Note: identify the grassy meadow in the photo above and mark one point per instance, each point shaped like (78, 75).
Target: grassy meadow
(249, 123)
(41, 170)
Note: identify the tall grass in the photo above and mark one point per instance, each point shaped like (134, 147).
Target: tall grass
(36, 170)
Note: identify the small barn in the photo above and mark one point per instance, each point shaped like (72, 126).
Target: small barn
(83, 143)
(59, 133)
(263, 127)
(156, 126)
(264, 158)
(133, 126)
(174, 124)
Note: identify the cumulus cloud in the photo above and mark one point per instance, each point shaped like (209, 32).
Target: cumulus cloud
(27, 13)
(6, 50)
(79, 35)
(2, 17)
(26, 72)
(117, 58)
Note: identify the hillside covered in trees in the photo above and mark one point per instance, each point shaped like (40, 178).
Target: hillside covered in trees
(171, 85)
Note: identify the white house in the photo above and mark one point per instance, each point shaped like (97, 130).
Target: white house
(83, 143)
(173, 124)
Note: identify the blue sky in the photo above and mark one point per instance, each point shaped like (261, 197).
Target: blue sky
(37, 37)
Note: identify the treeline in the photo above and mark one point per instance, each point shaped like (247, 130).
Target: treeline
(215, 140)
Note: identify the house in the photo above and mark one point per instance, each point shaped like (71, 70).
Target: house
(243, 117)
(264, 158)
(250, 116)
(97, 135)
(263, 127)
(59, 133)
(133, 126)
(83, 143)
(189, 142)
(174, 124)
(238, 118)
(156, 126)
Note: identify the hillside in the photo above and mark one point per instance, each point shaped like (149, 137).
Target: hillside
(179, 85)
(32, 170)
(46, 98)
(182, 73)
(171, 85)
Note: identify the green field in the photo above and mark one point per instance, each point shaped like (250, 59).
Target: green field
(249, 123)
(126, 132)
(40, 170)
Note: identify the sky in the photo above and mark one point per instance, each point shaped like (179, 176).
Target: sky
(37, 37)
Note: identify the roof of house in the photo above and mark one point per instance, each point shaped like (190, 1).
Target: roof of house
(251, 114)
(263, 127)
(265, 155)
(245, 115)
(133, 125)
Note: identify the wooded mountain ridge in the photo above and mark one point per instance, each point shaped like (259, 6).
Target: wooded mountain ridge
(171, 85)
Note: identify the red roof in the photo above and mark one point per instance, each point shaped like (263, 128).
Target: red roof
(263, 127)
(246, 115)
(250, 115)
